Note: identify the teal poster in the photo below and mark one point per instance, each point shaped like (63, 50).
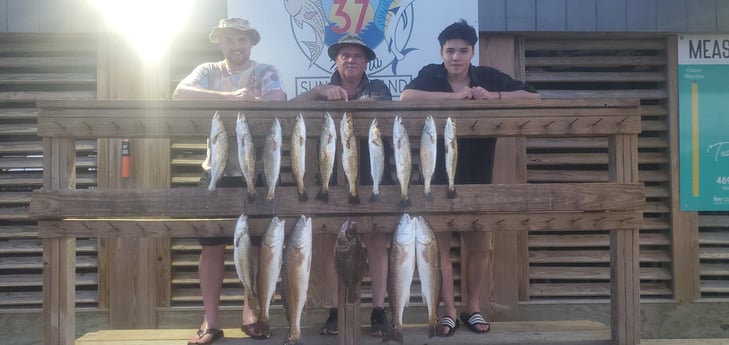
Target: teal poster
(703, 87)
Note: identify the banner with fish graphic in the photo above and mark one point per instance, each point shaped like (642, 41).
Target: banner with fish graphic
(295, 35)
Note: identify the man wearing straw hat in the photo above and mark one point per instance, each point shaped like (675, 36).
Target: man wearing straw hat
(237, 77)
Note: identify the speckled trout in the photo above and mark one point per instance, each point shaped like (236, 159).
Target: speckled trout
(428, 153)
(377, 159)
(350, 155)
(451, 156)
(246, 155)
(272, 158)
(327, 151)
(298, 156)
(218, 147)
(403, 159)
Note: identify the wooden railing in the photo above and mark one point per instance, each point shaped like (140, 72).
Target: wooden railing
(65, 213)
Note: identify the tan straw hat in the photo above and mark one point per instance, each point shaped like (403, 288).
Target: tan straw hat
(237, 24)
(350, 40)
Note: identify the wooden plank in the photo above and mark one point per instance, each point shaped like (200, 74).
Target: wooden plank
(714, 238)
(598, 94)
(35, 262)
(685, 230)
(27, 280)
(187, 202)
(118, 123)
(564, 290)
(590, 256)
(546, 240)
(580, 273)
(48, 63)
(625, 272)
(595, 61)
(19, 80)
(14, 231)
(595, 77)
(223, 227)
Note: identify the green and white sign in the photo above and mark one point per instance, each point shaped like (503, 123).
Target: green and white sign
(703, 88)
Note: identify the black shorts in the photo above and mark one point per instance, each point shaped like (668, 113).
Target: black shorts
(225, 181)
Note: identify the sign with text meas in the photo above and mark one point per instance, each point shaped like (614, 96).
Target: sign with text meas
(295, 35)
(703, 81)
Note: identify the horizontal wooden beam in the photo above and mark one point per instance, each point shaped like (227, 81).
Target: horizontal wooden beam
(231, 202)
(557, 221)
(479, 118)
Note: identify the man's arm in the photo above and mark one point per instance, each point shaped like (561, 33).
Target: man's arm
(327, 92)
(192, 92)
(420, 95)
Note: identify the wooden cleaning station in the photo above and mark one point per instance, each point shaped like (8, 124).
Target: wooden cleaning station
(65, 213)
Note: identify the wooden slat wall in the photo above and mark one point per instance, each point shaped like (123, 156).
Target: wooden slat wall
(714, 254)
(572, 265)
(34, 66)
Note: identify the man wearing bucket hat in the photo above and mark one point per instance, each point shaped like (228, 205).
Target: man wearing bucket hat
(237, 77)
(349, 82)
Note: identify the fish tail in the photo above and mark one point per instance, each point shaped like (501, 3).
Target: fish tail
(393, 334)
(252, 196)
(374, 197)
(451, 194)
(354, 199)
(323, 195)
(303, 196)
(405, 203)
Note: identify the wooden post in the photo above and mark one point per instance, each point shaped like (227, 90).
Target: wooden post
(507, 249)
(684, 225)
(624, 250)
(132, 284)
(59, 254)
(348, 317)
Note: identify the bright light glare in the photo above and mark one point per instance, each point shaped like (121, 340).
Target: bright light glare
(148, 24)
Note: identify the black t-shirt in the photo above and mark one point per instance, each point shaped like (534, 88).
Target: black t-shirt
(434, 78)
(475, 155)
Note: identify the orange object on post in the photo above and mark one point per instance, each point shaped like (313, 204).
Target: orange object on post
(125, 159)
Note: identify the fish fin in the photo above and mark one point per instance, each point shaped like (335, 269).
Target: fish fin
(451, 194)
(374, 197)
(322, 196)
(303, 196)
(354, 199)
(393, 334)
(405, 203)
(315, 49)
